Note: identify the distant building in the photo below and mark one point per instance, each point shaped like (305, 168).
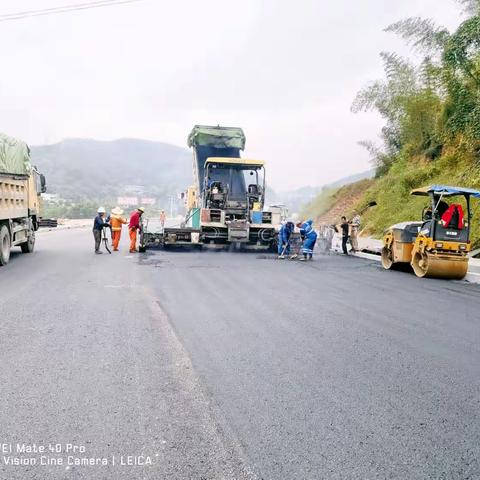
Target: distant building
(127, 201)
(148, 201)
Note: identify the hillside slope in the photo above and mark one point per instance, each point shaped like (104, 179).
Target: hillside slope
(392, 193)
(334, 202)
(305, 199)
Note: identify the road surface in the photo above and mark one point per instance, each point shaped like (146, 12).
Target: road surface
(234, 366)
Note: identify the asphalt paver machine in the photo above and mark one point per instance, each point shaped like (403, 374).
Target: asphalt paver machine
(225, 204)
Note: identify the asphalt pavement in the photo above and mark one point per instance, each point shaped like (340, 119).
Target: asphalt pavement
(91, 366)
(231, 365)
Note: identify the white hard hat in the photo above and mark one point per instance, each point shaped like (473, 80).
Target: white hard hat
(101, 210)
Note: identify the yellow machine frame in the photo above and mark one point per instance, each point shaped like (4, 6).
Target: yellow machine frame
(235, 161)
(431, 257)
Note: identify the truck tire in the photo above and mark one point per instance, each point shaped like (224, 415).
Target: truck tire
(28, 246)
(4, 245)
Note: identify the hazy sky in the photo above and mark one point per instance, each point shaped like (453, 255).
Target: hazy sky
(285, 71)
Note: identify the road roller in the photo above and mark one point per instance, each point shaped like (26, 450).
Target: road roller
(438, 245)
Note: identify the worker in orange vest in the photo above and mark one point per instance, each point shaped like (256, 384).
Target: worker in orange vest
(163, 217)
(116, 221)
(133, 226)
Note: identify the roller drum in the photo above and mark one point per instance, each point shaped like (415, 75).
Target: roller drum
(387, 258)
(439, 266)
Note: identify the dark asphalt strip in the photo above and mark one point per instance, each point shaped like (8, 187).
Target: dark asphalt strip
(332, 369)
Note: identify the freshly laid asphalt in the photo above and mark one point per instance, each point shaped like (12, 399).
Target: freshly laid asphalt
(237, 366)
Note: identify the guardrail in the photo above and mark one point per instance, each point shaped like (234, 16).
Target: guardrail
(48, 223)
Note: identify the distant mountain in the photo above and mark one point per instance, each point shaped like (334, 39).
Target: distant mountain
(294, 199)
(84, 169)
(80, 170)
(352, 179)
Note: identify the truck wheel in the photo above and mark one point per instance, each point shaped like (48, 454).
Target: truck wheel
(4, 245)
(28, 246)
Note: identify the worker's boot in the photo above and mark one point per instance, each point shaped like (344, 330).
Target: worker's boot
(304, 258)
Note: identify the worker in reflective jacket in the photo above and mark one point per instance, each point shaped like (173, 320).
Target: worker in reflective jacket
(98, 225)
(133, 227)
(116, 220)
(284, 234)
(309, 237)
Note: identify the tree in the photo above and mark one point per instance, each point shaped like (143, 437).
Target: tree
(421, 33)
(434, 102)
(471, 7)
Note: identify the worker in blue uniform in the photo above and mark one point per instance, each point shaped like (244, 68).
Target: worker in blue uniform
(284, 234)
(309, 237)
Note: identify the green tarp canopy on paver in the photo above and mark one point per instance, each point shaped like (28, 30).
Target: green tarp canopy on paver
(217, 137)
(14, 156)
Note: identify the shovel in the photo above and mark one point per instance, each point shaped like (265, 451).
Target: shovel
(282, 255)
(105, 239)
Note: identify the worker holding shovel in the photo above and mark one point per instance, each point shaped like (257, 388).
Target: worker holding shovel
(309, 237)
(284, 235)
(133, 227)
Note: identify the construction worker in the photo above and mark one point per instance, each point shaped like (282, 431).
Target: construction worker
(133, 226)
(98, 225)
(345, 229)
(284, 234)
(354, 228)
(116, 221)
(163, 217)
(309, 237)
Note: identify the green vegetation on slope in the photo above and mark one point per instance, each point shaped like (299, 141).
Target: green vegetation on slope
(392, 191)
(320, 205)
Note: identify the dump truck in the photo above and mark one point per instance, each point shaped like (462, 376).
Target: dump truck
(225, 204)
(20, 189)
(439, 244)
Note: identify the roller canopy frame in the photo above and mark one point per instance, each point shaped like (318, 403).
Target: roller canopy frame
(437, 192)
(446, 190)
